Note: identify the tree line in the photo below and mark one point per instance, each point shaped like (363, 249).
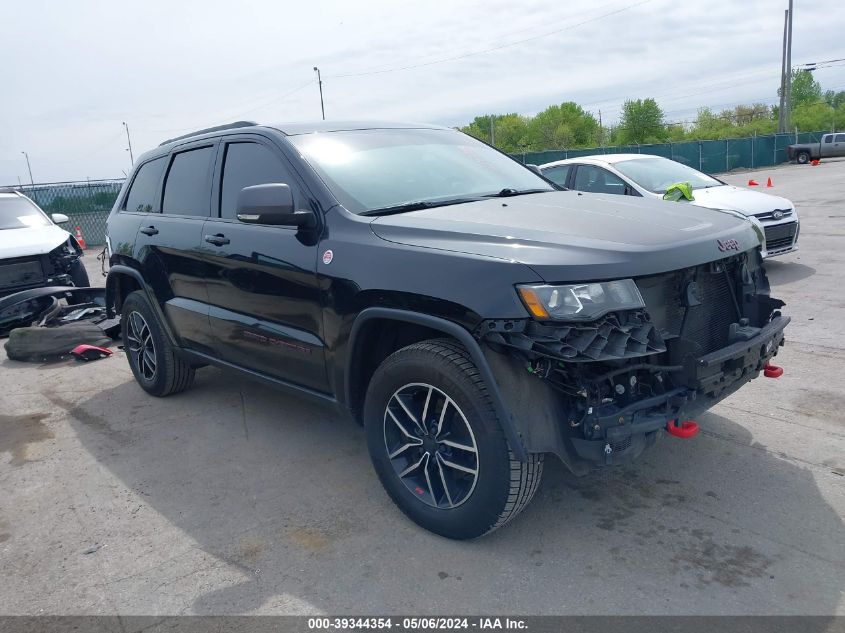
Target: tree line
(568, 125)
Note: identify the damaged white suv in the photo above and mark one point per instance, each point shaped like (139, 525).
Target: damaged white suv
(34, 252)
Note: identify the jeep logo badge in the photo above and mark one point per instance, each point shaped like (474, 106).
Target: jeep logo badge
(727, 245)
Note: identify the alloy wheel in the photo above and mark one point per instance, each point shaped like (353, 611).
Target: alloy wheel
(431, 445)
(141, 347)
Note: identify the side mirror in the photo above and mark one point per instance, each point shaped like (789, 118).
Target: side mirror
(535, 169)
(59, 218)
(271, 204)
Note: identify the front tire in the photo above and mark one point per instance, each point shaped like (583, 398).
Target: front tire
(152, 358)
(438, 447)
(78, 274)
(803, 158)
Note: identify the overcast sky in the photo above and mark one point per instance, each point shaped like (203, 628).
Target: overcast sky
(73, 71)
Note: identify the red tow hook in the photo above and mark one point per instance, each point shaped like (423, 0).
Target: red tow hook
(683, 430)
(772, 371)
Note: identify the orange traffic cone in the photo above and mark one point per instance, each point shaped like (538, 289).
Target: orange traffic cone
(79, 239)
(753, 183)
(769, 182)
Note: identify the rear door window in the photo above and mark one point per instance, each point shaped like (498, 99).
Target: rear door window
(840, 138)
(558, 175)
(598, 180)
(187, 189)
(142, 192)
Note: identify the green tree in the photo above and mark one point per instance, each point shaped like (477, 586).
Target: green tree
(563, 126)
(805, 89)
(642, 122)
(834, 99)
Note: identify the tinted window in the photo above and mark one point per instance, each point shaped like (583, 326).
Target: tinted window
(142, 192)
(248, 164)
(598, 180)
(187, 189)
(840, 138)
(558, 174)
(828, 138)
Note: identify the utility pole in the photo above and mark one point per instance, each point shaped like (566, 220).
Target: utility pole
(787, 115)
(601, 132)
(493, 130)
(781, 125)
(31, 181)
(320, 83)
(129, 142)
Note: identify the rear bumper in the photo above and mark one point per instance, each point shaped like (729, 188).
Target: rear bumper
(702, 382)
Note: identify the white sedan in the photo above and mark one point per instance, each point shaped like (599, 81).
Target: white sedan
(649, 176)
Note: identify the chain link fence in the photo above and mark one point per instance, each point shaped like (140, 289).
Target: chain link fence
(711, 157)
(87, 204)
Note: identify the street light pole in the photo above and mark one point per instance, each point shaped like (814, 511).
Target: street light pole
(31, 181)
(129, 142)
(320, 83)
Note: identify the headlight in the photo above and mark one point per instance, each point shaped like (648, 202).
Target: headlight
(580, 302)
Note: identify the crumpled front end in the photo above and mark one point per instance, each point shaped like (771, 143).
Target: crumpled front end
(599, 393)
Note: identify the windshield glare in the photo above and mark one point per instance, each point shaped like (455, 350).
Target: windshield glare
(382, 168)
(20, 213)
(658, 174)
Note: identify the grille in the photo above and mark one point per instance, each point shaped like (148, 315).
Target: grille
(20, 273)
(780, 236)
(769, 216)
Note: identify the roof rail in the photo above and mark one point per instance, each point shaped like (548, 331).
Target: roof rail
(216, 128)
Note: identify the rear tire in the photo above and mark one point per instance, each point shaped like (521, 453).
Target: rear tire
(152, 358)
(803, 158)
(427, 404)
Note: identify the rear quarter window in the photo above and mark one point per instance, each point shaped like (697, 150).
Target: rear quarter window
(142, 192)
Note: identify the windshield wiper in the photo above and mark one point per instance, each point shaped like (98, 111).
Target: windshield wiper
(508, 192)
(417, 206)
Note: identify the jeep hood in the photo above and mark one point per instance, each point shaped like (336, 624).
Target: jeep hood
(32, 240)
(574, 236)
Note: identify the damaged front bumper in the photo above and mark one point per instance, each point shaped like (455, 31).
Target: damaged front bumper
(704, 382)
(605, 431)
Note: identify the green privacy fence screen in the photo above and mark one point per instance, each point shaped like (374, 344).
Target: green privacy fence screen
(711, 157)
(87, 204)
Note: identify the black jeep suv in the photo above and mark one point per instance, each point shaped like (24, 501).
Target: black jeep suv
(469, 313)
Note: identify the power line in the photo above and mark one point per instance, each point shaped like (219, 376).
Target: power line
(491, 49)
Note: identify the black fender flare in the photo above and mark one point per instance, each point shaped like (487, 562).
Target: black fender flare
(111, 287)
(466, 339)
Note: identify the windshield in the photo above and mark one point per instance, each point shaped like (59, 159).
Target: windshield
(658, 174)
(377, 169)
(20, 213)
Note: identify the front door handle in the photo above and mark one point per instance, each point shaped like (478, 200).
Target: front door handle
(217, 240)
(149, 230)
